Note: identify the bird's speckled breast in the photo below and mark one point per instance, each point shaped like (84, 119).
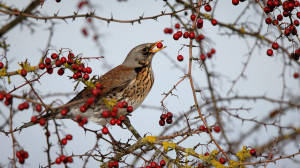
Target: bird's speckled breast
(139, 87)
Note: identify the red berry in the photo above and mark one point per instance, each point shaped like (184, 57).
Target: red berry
(48, 61)
(111, 164)
(169, 120)
(21, 160)
(23, 72)
(70, 61)
(116, 164)
(166, 30)
(64, 141)
(63, 158)
(153, 164)
(222, 160)
(214, 22)
(99, 86)
(18, 154)
(64, 112)
(42, 121)
(179, 33)
(1, 96)
(25, 155)
(268, 21)
(162, 122)
(26, 105)
(42, 66)
(124, 104)
(21, 107)
(90, 100)
(177, 26)
(1, 65)
(84, 32)
(163, 163)
(207, 8)
(217, 129)
(169, 115)
(296, 22)
(105, 130)
(105, 114)
(193, 17)
(83, 108)
(175, 36)
(88, 70)
(269, 52)
(202, 128)
(275, 46)
(54, 56)
(38, 108)
(58, 63)
(186, 35)
(58, 160)
(96, 92)
(63, 60)
(235, 2)
(253, 152)
(163, 116)
(213, 51)
(287, 31)
(69, 137)
(86, 77)
(279, 17)
(129, 109)
(61, 71)
(298, 15)
(180, 58)
(113, 121)
(296, 75)
(50, 70)
(69, 159)
(267, 10)
(34, 119)
(119, 122)
(70, 55)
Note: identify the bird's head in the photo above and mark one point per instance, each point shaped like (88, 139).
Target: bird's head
(141, 55)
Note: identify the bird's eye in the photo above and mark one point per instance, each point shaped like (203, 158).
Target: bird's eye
(145, 50)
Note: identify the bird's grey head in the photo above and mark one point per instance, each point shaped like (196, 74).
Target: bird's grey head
(141, 55)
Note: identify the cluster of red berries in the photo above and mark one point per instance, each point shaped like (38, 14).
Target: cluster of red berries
(156, 165)
(114, 164)
(63, 159)
(65, 140)
(23, 106)
(202, 128)
(8, 98)
(168, 30)
(166, 118)
(78, 68)
(81, 120)
(22, 155)
(209, 54)
(96, 92)
(42, 121)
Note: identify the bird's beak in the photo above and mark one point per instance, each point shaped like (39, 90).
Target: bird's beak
(154, 48)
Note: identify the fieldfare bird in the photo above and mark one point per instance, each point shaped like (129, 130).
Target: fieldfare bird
(131, 82)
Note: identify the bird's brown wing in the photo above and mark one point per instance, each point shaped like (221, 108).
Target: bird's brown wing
(113, 81)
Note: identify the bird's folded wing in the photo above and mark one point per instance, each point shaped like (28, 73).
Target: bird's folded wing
(113, 81)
